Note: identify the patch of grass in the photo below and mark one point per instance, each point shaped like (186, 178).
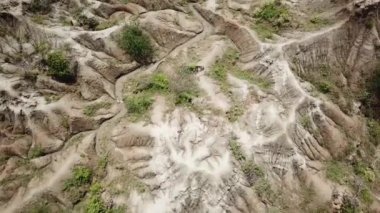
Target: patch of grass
(59, 67)
(228, 63)
(337, 172)
(235, 113)
(138, 104)
(95, 204)
(35, 152)
(306, 122)
(236, 151)
(364, 172)
(39, 6)
(137, 44)
(366, 196)
(324, 87)
(271, 18)
(264, 31)
(91, 110)
(81, 176)
(252, 171)
(159, 82)
(264, 191)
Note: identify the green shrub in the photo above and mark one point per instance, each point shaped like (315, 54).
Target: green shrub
(59, 67)
(39, 6)
(95, 203)
(252, 171)
(138, 104)
(185, 97)
(324, 87)
(35, 152)
(236, 151)
(366, 196)
(219, 72)
(81, 176)
(265, 191)
(159, 82)
(336, 172)
(136, 44)
(274, 13)
(235, 113)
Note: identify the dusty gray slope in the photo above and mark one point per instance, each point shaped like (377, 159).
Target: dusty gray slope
(244, 115)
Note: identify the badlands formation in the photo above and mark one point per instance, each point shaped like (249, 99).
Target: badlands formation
(189, 106)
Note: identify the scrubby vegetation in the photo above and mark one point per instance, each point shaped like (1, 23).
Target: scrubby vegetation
(137, 44)
(40, 6)
(35, 152)
(228, 64)
(271, 18)
(59, 67)
(81, 176)
(138, 105)
(337, 172)
(179, 89)
(91, 110)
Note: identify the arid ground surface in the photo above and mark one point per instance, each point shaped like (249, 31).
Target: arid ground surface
(189, 106)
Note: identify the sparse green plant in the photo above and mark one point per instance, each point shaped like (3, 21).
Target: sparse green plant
(88, 23)
(184, 98)
(137, 44)
(236, 151)
(235, 113)
(324, 87)
(138, 104)
(306, 122)
(59, 67)
(39, 6)
(264, 191)
(271, 18)
(159, 82)
(252, 172)
(92, 109)
(366, 196)
(219, 72)
(95, 204)
(36, 151)
(81, 176)
(337, 172)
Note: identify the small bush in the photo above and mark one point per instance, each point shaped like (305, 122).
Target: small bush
(366, 196)
(265, 191)
(219, 72)
(236, 151)
(324, 87)
(273, 12)
(185, 98)
(138, 104)
(95, 204)
(59, 67)
(235, 113)
(336, 172)
(136, 44)
(39, 6)
(81, 176)
(252, 171)
(159, 82)
(35, 152)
